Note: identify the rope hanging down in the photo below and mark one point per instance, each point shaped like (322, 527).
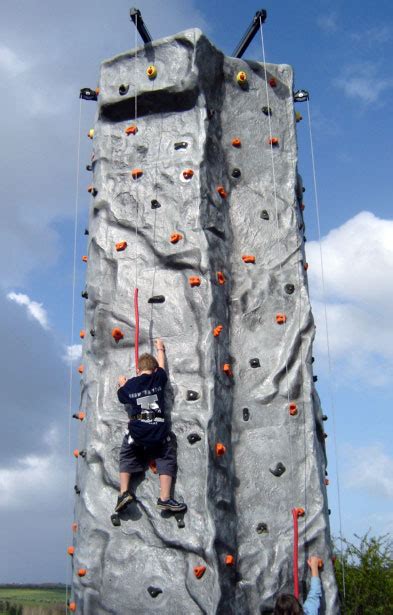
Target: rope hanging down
(295, 553)
(136, 290)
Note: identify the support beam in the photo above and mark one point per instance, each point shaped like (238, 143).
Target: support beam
(260, 17)
(137, 18)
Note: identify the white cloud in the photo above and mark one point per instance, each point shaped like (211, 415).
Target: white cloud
(370, 469)
(35, 310)
(328, 23)
(375, 35)
(73, 353)
(11, 63)
(363, 82)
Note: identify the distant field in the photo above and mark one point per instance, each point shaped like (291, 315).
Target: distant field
(42, 598)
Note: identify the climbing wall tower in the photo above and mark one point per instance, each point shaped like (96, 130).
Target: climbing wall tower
(196, 201)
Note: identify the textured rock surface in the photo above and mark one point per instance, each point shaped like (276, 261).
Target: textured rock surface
(195, 99)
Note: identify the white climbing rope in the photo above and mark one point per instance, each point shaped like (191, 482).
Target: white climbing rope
(330, 369)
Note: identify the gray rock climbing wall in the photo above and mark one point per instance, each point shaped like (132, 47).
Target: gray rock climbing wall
(243, 199)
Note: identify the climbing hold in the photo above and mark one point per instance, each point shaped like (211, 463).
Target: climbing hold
(86, 231)
(262, 528)
(255, 362)
(88, 94)
(320, 563)
(236, 173)
(281, 319)
(227, 369)
(299, 512)
(81, 369)
(194, 280)
(325, 435)
(84, 259)
(84, 294)
(278, 470)
(180, 145)
(314, 378)
(193, 437)
(188, 174)
(293, 409)
(153, 466)
(123, 89)
(120, 246)
(246, 414)
(74, 527)
(155, 204)
(265, 214)
(289, 288)
(154, 591)
(71, 550)
(220, 278)
(273, 82)
(305, 266)
(217, 330)
(90, 134)
(199, 571)
(301, 96)
(136, 173)
(298, 116)
(151, 71)
(82, 572)
(175, 237)
(267, 110)
(78, 453)
(273, 141)
(92, 332)
(156, 299)
(131, 130)
(241, 77)
(117, 334)
(220, 449)
(82, 334)
(229, 560)
(77, 490)
(247, 258)
(236, 142)
(222, 192)
(79, 415)
(324, 417)
(326, 481)
(93, 191)
(72, 606)
(302, 206)
(192, 395)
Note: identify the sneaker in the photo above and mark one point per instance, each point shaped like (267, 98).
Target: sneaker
(123, 500)
(171, 505)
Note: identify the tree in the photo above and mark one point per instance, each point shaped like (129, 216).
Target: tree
(368, 573)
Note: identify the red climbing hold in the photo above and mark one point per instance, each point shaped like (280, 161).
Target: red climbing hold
(84, 259)
(273, 82)
(136, 173)
(222, 192)
(117, 334)
(120, 246)
(153, 466)
(76, 453)
(81, 369)
(273, 141)
(248, 258)
(293, 409)
(236, 142)
(74, 527)
(71, 550)
(220, 278)
(227, 369)
(327, 482)
(302, 206)
(199, 571)
(217, 330)
(131, 130)
(82, 572)
(229, 560)
(175, 237)
(91, 190)
(194, 280)
(281, 319)
(188, 174)
(220, 449)
(82, 334)
(305, 266)
(300, 512)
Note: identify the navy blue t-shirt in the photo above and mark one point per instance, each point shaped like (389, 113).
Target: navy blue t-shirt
(141, 394)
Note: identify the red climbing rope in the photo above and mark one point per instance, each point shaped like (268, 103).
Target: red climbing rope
(136, 311)
(295, 515)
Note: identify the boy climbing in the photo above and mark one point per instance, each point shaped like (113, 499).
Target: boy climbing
(148, 435)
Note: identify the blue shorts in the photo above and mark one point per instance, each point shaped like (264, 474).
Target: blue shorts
(135, 457)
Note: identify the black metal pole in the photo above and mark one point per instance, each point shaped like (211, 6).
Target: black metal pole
(260, 17)
(136, 17)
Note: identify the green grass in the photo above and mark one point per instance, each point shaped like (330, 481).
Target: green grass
(31, 597)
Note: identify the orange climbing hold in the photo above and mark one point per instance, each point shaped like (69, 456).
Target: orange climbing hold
(175, 237)
(84, 259)
(82, 572)
(153, 466)
(79, 415)
(76, 453)
(120, 246)
(72, 606)
(222, 192)
(293, 409)
(236, 142)
(273, 141)
(136, 173)
(81, 369)
(305, 266)
(248, 258)
(71, 550)
(229, 560)
(131, 130)
(97, 91)
(117, 334)
(217, 330)
(281, 319)
(82, 334)
(273, 82)
(199, 571)
(320, 563)
(227, 369)
(220, 449)
(220, 278)
(188, 174)
(194, 280)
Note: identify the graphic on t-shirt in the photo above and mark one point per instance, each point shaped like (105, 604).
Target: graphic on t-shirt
(148, 402)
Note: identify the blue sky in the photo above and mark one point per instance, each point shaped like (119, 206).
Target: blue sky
(341, 52)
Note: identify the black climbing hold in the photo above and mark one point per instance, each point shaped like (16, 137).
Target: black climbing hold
(267, 110)
(192, 395)
(304, 239)
(265, 214)
(324, 417)
(246, 414)
(89, 167)
(154, 591)
(123, 89)
(84, 294)
(303, 189)
(329, 511)
(193, 437)
(326, 473)
(301, 226)
(255, 363)
(88, 94)
(86, 231)
(115, 520)
(82, 454)
(301, 96)
(155, 204)
(211, 113)
(77, 490)
(181, 145)
(92, 332)
(289, 288)
(262, 528)
(236, 173)
(94, 192)
(278, 470)
(180, 520)
(156, 299)
(314, 378)
(312, 359)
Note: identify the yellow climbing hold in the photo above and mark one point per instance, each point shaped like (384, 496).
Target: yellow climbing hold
(241, 77)
(298, 116)
(90, 134)
(151, 71)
